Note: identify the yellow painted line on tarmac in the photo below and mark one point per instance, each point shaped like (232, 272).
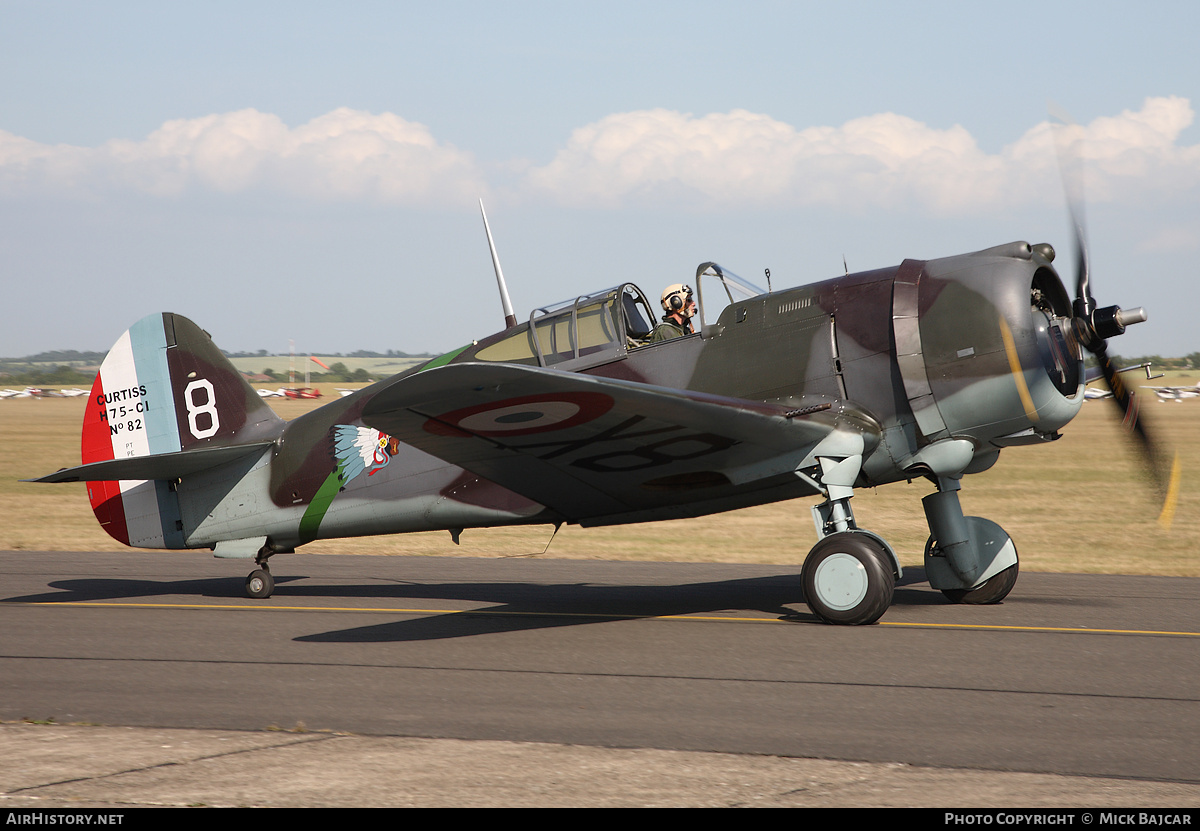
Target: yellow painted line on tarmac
(1073, 630)
(602, 616)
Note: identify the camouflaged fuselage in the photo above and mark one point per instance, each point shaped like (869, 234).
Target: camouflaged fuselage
(930, 367)
(925, 351)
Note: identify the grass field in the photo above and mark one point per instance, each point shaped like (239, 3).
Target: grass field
(1077, 505)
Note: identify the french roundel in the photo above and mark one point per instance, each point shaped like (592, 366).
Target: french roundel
(523, 416)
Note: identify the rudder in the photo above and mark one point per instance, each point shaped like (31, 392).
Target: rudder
(164, 387)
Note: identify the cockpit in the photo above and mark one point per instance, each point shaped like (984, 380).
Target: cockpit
(606, 325)
(717, 290)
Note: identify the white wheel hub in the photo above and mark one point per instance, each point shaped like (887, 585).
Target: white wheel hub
(841, 581)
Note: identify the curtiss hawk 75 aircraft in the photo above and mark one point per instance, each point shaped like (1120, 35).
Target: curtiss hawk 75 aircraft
(929, 368)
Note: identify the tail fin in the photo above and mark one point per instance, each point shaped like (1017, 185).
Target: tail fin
(164, 388)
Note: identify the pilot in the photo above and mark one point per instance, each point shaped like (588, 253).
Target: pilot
(679, 306)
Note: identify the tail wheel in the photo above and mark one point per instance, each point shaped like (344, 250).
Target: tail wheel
(848, 579)
(260, 583)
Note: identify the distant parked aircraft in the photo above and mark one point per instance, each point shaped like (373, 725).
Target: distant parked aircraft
(1177, 393)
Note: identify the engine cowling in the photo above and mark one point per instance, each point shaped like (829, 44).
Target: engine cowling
(986, 348)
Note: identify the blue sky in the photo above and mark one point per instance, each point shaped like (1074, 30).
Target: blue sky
(301, 171)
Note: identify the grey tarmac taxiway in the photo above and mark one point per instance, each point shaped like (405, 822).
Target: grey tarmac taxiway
(148, 678)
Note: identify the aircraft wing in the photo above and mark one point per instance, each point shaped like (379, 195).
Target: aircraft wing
(586, 446)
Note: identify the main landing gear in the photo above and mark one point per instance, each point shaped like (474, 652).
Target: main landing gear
(850, 575)
(993, 590)
(848, 578)
(968, 558)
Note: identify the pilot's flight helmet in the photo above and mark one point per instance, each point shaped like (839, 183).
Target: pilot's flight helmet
(676, 298)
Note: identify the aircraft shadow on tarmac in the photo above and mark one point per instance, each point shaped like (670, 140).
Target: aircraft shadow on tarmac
(519, 606)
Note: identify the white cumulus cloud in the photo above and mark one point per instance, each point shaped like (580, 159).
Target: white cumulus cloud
(344, 154)
(889, 160)
(657, 157)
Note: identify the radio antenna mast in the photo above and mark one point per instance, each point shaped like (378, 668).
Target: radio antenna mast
(510, 319)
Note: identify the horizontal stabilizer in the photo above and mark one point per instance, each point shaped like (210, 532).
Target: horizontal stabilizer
(165, 466)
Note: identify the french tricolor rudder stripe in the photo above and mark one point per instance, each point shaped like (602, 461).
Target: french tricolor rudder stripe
(131, 412)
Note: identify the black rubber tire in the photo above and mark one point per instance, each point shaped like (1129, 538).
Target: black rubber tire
(994, 589)
(260, 584)
(848, 579)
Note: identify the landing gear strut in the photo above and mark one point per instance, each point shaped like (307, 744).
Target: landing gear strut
(968, 558)
(850, 575)
(260, 584)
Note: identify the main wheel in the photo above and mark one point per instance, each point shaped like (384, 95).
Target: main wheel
(993, 590)
(848, 579)
(996, 587)
(260, 583)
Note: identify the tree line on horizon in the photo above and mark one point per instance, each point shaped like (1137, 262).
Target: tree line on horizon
(338, 373)
(361, 353)
(20, 371)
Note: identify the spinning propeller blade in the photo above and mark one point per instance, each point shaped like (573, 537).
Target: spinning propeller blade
(1093, 326)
